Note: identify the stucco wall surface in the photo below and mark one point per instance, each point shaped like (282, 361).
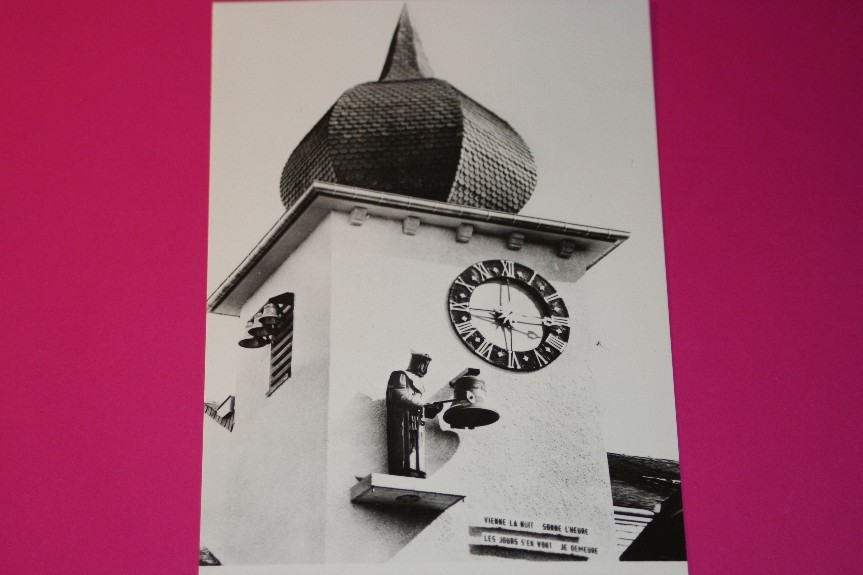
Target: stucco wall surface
(543, 460)
(263, 491)
(277, 488)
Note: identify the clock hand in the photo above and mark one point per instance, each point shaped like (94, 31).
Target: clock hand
(481, 314)
(529, 322)
(530, 333)
(502, 329)
(550, 320)
(527, 316)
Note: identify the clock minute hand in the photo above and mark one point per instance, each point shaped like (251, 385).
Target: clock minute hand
(546, 321)
(521, 321)
(530, 334)
(482, 314)
(527, 316)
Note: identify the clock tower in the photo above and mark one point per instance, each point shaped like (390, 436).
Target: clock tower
(401, 232)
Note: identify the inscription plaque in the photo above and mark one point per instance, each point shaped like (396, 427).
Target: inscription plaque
(534, 536)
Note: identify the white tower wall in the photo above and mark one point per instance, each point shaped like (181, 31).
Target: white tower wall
(364, 297)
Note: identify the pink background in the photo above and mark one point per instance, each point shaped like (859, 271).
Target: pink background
(104, 134)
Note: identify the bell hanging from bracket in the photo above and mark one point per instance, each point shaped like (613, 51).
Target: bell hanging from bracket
(253, 342)
(258, 333)
(256, 329)
(469, 408)
(270, 315)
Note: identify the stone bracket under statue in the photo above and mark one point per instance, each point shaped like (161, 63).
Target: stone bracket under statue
(468, 410)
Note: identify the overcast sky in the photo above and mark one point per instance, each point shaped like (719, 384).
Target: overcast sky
(573, 78)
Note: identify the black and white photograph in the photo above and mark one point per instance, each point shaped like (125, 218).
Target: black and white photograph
(437, 328)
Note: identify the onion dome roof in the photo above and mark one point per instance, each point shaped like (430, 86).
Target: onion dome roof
(412, 134)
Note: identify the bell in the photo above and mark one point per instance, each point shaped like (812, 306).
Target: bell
(469, 409)
(270, 315)
(255, 328)
(253, 342)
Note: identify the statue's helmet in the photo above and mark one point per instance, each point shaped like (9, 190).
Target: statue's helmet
(419, 364)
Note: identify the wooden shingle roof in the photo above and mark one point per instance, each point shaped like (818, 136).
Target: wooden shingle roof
(414, 135)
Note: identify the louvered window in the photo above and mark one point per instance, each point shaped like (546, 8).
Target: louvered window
(273, 325)
(282, 346)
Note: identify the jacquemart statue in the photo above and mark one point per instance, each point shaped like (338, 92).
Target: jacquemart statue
(405, 413)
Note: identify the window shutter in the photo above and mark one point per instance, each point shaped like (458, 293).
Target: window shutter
(281, 351)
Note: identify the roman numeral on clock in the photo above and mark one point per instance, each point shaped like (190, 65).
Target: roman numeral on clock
(540, 359)
(484, 349)
(512, 361)
(461, 282)
(556, 342)
(484, 274)
(551, 297)
(556, 320)
(508, 268)
(459, 306)
(465, 329)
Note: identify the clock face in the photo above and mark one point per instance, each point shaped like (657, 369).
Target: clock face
(509, 315)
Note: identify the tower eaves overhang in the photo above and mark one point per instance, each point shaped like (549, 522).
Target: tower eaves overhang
(322, 198)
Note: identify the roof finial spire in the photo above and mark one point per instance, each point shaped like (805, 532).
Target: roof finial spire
(406, 59)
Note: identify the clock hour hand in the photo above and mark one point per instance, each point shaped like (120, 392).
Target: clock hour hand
(473, 309)
(529, 333)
